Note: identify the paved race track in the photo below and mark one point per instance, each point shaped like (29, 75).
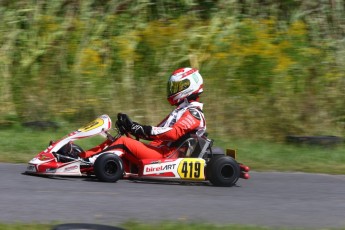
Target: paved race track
(269, 199)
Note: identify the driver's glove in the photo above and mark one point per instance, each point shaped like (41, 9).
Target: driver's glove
(141, 131)
(134, 128)
(121, 128)
(124, 122)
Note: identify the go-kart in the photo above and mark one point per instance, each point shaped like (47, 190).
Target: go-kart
(196, 161)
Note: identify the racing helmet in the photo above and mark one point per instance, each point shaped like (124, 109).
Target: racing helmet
(182, 84)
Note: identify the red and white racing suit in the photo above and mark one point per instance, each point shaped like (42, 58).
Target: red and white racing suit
(186, 118)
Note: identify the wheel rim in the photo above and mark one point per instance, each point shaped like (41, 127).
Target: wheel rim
(227, 171)
(110, 168)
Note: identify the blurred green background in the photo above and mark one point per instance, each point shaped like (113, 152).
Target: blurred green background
(271, 67)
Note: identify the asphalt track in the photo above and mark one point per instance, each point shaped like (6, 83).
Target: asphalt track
(267, 199)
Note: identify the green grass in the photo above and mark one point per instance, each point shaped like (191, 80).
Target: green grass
(19, 145)
(267, 156)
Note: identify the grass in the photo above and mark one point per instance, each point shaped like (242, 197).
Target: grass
(266, 156)
(19, 145)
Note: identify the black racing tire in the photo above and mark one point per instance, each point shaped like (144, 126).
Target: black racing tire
(223, 171)
(108, 167)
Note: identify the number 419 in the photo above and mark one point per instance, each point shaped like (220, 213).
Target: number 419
(189, 168)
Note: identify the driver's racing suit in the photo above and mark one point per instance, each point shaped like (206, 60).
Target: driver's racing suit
(186, 118)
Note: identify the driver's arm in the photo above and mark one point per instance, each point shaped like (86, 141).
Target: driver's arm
(188, 122)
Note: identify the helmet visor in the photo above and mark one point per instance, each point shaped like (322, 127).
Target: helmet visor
(177, 86)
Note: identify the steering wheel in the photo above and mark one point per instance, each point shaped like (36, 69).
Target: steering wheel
(123, 123)
(121, 128)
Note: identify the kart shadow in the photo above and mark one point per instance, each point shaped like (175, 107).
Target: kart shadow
(150, 181)
(158, 182)
(54, 177)
(93, 179)
(178, 183)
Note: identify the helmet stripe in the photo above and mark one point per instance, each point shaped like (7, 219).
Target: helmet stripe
(188, 73)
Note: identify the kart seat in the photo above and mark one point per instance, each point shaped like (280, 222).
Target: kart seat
(192, 146)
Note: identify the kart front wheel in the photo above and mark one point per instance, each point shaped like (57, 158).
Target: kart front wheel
(223, 171)
(108, 167)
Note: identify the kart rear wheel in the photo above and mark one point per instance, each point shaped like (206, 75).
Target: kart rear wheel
(108, 167)
(223, 171)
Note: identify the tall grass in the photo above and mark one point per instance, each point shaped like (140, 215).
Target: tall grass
(271, 68)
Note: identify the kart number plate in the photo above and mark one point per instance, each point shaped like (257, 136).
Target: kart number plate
(192, 168)
(31, 168)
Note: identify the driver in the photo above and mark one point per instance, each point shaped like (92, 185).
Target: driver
(184, 87)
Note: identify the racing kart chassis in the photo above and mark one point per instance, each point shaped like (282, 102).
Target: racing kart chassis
(197, 160)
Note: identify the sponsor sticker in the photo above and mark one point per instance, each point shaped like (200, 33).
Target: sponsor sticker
(92, 125)
(70, 168)
(157, 168)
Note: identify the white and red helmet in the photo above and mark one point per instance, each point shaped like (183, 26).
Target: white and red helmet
(183, 83)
